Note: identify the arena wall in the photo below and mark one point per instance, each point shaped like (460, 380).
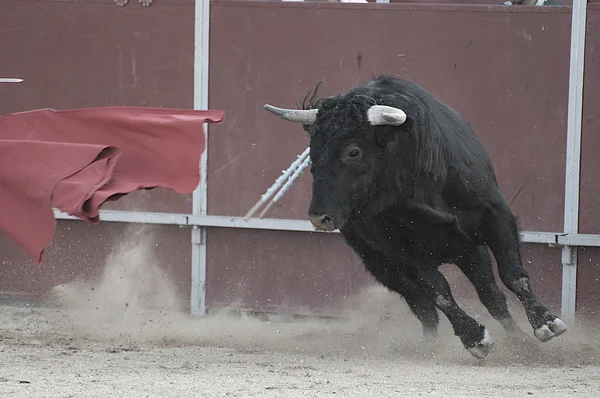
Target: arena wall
(505, 68)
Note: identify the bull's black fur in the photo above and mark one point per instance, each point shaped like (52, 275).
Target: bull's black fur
(416, 196)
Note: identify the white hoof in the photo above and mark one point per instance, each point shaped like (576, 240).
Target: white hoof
(550, 330)
(484, 347)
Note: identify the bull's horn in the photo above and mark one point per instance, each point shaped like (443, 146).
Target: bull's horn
(382, 115)
(305, 117)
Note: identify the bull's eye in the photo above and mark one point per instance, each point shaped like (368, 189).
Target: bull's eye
(353, 154)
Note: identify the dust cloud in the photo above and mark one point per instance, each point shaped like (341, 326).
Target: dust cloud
(135, 303)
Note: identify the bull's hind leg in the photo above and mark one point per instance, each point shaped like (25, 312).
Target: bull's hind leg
(473, 335)
(477, 267)
(503, 239)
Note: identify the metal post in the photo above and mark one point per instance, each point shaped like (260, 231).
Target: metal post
(199, 197)
(569, 286)
(571, 218)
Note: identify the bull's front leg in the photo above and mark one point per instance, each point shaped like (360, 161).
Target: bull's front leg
(390, 275)
(474, 336)
(425, 311)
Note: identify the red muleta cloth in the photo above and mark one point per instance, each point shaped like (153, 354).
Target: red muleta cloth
(75, 160)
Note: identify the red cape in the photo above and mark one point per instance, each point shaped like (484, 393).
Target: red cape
(76, 160)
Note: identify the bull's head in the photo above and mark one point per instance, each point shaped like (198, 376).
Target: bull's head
(348, 138)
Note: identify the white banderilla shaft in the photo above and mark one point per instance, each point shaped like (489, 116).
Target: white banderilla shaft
(287, 186)
(278, 183)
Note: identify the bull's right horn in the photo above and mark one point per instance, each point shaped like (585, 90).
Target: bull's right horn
(305, 117)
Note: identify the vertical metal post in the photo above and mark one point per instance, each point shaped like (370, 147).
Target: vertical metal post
(199, 197)
(569, 283)
(573, 160)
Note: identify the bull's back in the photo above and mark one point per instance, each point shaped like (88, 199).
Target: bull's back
(467, 152)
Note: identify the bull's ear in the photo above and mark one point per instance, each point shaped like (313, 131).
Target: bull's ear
(391, 137)
(383, 115)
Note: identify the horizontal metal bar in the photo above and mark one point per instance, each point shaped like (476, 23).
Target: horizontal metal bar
(579, 240)
(255, 223)
(549, 238)
(416, 6)
(198, 220)
(190, 220)
(133, 217)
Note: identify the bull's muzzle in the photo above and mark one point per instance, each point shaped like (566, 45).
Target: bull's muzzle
(322, 222)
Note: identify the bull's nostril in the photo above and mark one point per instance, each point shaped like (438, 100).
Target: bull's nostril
(322, 222)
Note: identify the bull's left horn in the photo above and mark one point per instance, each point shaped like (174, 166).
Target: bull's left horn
(383, 115)
(305, 117)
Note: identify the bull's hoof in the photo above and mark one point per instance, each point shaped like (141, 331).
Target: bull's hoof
(550, 330)
(482, 349)
(431, 336)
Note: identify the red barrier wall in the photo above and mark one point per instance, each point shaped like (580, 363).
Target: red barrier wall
(74, 54)
(588, 278)
(505, 68)
(474, 58)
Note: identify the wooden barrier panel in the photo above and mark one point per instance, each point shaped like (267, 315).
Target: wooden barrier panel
(505, 69)
(588, 283)
(493, 64)
(76, 54)
(81, 252)
(588, 270)
(304, 273)
(589, 204)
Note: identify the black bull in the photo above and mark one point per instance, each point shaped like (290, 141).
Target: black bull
(408, 184)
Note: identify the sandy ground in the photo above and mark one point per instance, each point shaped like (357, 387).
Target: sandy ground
(111, 339)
